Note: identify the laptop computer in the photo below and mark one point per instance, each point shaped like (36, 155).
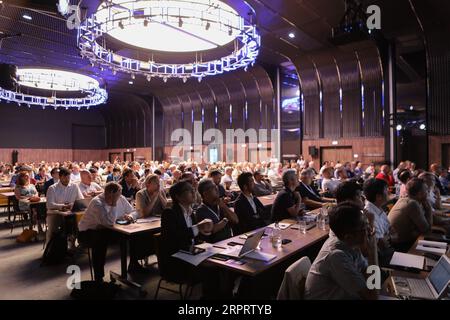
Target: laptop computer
(430, 288)
(250, 245)
(80, 205)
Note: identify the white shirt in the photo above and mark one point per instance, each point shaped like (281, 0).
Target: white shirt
(226, 178)
(58, 195)
(99, 214)
(330, 184)
(75, 178)
(93, 187)
(188, 219)
(381, 222)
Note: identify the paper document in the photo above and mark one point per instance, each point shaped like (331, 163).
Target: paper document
(281, 225)
(198, 258)
(148, 220)
(407, 260)
(432, 246)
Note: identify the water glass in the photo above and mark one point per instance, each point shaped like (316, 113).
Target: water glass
(275, 238)
(302, 225)
(321, 222)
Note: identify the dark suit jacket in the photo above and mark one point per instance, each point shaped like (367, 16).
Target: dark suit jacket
(47, 185)
(128, 193)
(175, 235)
(248, 220)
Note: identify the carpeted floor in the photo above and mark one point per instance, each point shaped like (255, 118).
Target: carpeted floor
(23, 277)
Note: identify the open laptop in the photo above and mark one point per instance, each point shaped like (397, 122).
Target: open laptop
(80, 205)
(250, 245)
(430, 288)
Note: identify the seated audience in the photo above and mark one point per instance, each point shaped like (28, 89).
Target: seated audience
(129, 184)
(60, 197)
(288, 203)
(151, 200)
(114, 176)
(214, 209)
(216, 176)
(262, 187)
(329, 184)
(339, 271)
(310, 196)
(436, 170)
(376, 193)
(191, 178)
(24, 190)
(250, 211)
(75, 175)
(350, 191)
(55, 178)
(227, 180)
(88, 188)
(411, 216)
(180, 230)
(102, 213)
(403, 177)
(385, 174)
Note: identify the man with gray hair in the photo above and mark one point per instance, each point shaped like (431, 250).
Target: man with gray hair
(100, 215)
(288, 203)
(309, 194)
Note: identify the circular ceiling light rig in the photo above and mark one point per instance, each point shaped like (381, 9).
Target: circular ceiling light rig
(182, 26)
(55, 81)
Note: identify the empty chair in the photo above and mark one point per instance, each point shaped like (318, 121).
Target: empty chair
(293, 285)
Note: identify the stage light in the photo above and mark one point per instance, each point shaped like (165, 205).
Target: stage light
(121, 26)
(399, 127)
(422, 127)
(130, 82)
(180, 23)
(292, 35)
(334, 143)
(27, 16)
(207, 26)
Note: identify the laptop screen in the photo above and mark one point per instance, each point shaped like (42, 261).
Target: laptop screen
(440, 275)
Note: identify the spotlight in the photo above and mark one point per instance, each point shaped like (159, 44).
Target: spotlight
(165, 79)
(230, 31)
(411, 108)
(130, 82)
(114, 72)
(185, 79)
(292, 35)
(145, 22)
(121, 25)
(422, 127)
(199, 79)
(208, 25)
(399, 127)
(149, 78)
(180, 23)
(26, 16)
(133, 76)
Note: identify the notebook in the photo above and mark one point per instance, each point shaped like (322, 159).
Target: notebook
(407, 260)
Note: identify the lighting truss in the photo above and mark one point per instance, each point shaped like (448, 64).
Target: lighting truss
(46, 79)
(93, 28)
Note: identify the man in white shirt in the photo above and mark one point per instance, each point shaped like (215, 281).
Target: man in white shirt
(329, 184)
(60, 198)
(376, 193)
(101, 214)
(227, 180)
(88, 188)
(75, 175)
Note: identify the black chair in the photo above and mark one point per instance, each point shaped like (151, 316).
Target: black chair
(23, 215)
(165, 277)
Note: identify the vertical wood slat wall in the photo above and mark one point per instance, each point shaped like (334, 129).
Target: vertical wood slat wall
(238, 89)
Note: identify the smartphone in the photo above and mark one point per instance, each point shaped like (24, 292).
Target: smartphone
(220, 257)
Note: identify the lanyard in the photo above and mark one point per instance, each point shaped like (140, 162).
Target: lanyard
(215, 214)
(309, 189)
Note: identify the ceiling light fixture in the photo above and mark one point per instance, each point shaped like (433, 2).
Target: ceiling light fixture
(54, 81)
(292, 35)
(27, 16)
(113, 18)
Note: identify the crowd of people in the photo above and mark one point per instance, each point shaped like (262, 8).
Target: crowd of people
(212, 202)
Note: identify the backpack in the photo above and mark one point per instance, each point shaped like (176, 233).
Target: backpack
(56, 249)
(26, 236)
(93, 290)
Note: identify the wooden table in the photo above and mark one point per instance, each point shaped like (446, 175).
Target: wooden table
(126, 233)
(10, 196)
(267, 200)
(253, 267)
